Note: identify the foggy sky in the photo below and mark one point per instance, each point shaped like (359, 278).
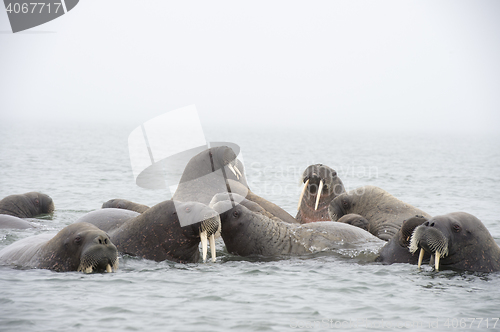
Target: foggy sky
(413, 65)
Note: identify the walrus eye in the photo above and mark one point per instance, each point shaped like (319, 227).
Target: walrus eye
(37, 202)
(188, 209)
(78, 240)
(236, 214)
(457, 228)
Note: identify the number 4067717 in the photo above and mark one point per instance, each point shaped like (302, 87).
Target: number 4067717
(33, 7)
(489, 323)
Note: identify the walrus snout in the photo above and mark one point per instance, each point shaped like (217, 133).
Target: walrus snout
(210, 229)
(100, 255)
(430, 239)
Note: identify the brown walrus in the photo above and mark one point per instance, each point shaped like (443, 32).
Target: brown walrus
(384, 212)
(321, 186)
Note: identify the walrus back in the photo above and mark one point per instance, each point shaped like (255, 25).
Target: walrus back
(24, 252)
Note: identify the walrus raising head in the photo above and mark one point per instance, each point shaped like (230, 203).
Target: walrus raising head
(457, 241)
(27, 205)
(321, 186)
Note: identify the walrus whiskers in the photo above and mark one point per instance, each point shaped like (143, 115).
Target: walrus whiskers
(437, 244)
(209, 229)
(302, 194)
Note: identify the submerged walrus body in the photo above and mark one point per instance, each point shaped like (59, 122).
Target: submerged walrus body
(247, 232)
(78, 247)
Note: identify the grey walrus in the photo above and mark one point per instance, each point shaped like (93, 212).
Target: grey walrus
(248, 233)
(119, 203)
(170, 230)
(456, 241)
(217, 170)
(384, 212)
(78, 247)
(321, 186)
(27, 205)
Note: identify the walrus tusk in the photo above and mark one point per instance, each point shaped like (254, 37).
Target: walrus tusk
(437, 256)
(232, 170)
(302, 194)
(204, 249)
(88, 270)
(108, 269)
(319, 194)
(212, 247)
(420, 257)
(238, 171)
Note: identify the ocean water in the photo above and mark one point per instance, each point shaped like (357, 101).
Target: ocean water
(83, 165)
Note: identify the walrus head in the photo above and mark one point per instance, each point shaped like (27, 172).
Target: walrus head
(43, 202)
(340, 206)
(203, 219)
(458, 241)
(212, 160)
(80, 247)
(27, 205)
(241, 229)
(321, 186)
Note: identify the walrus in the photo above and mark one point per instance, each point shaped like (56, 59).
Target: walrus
(457, 241)
(27, 205)
(78, 247)
(384, 212)
(397, 249)
(119, 203)
(217, 170)
(7, 221)
(170, 230)
(249, 233)
(321, 186)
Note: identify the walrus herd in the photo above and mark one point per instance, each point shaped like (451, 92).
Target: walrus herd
(213, 198)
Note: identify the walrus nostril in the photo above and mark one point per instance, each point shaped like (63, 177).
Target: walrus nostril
(432, 225)
(426, 223)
